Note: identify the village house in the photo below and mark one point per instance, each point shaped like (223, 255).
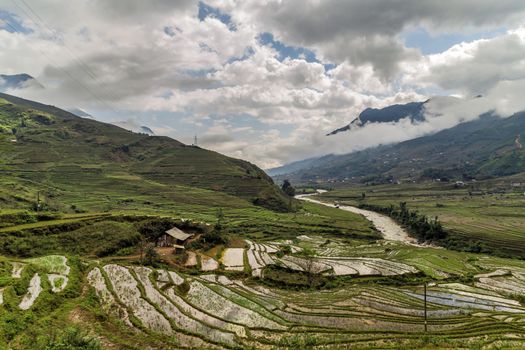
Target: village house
(174, 237)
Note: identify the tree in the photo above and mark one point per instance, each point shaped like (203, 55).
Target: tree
(307, 263)
(288, 188)
(151, 256)
(152, 229)
(220, 218)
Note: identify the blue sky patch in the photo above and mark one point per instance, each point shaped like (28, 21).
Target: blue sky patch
(430, 44)
(209, 11)
(293, 52)
(248, 52)
(286, 51)
(11, 23)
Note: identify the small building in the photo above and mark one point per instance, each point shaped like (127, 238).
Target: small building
(174, 237)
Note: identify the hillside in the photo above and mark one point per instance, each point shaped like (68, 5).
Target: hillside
(486, 147)
(85, 163)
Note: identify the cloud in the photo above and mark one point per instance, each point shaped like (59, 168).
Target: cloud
(475, 67)
(367, 31)
(157, 63)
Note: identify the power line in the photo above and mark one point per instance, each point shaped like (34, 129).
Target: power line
(83, 66)
(53, 31)
(63, 70)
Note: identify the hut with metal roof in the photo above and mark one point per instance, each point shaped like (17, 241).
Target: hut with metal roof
(173, 237)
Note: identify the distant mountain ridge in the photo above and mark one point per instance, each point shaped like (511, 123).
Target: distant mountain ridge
(80, 113)
(393, 113)
(17, 81)
(486, 147)
(146, 130)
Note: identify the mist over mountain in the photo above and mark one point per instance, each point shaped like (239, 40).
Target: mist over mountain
(18, 81)
(489, 145)
(415, 111)
(80, 112)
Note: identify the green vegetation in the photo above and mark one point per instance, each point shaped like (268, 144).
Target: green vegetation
(87, 238)
(71, 339)
(418, 225)
(311, 276)
(288, 188)
(466, 151)
(103, 235)
(82, 159)
(483, 216)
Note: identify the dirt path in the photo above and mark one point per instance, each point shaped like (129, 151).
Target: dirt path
(389, 228)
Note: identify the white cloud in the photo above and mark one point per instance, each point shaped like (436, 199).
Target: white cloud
(210, 78)
(475, 67)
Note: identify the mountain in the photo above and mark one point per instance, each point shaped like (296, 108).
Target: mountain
(146, 130)
(54, 149)
(131, 125)
(17, 81)
(488, 146)
(125, 125)
(413, 110)
(292, 167)
(80, 113)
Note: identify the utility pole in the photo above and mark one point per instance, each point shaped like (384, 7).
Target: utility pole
(425, 286)
(37, 200)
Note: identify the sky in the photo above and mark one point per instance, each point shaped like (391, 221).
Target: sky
(265, 80)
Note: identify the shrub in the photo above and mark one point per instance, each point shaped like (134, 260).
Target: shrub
(288, 188)
(151, 257)
(72, 339)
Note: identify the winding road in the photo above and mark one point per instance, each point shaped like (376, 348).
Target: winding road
(389, 228)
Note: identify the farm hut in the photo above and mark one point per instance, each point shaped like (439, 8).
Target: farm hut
(174, 237)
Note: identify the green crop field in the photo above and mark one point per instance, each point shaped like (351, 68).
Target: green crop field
(488, 213)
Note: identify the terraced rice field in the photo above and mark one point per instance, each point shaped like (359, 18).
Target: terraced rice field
(53, 267)
(233, 259)
(260, 255)
(221, 312)
(213, 309)
(218, 311)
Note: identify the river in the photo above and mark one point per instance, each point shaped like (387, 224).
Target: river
(390, 230)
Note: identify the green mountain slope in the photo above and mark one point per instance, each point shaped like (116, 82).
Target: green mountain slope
(52, 150)
(489, 146)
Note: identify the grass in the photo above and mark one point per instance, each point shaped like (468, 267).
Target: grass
(50, 263)
(87, 239)
(93, 166)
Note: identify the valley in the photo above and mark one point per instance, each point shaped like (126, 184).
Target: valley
(480, 216)
(389, 229)
(343, 292)
(262, 175)
(82, 225)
